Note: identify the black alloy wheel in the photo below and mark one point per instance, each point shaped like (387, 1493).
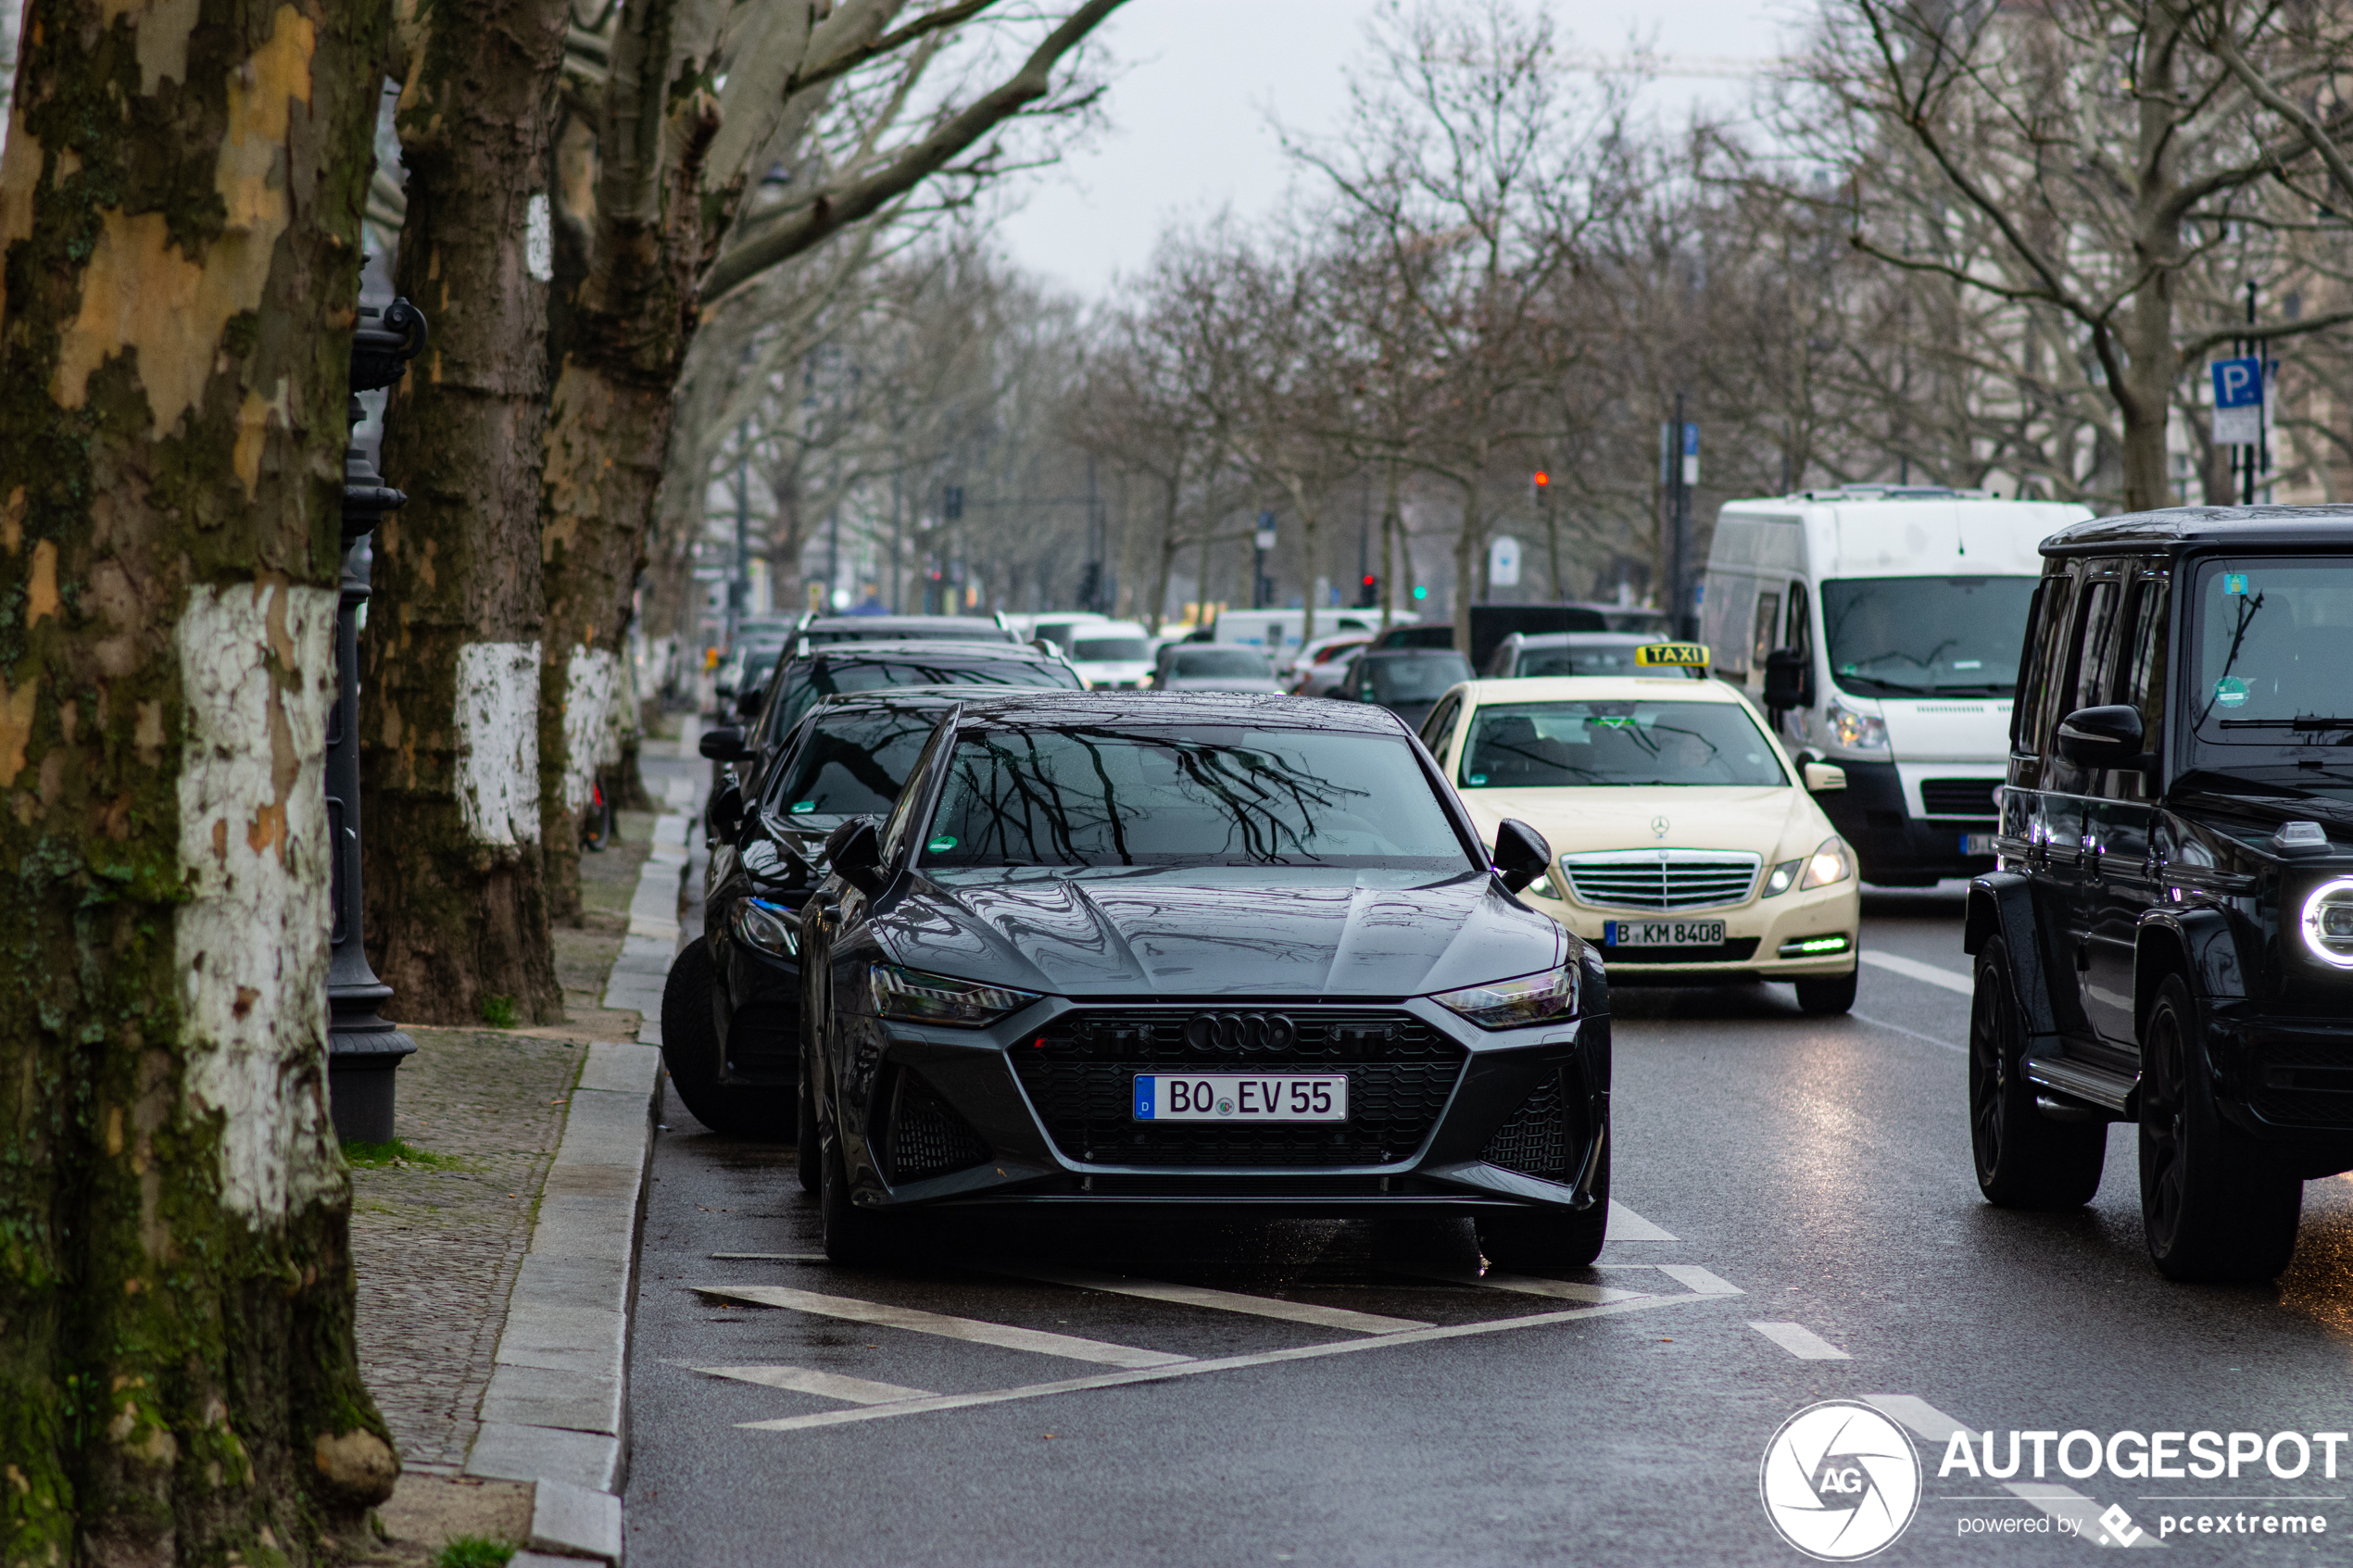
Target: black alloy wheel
(2024, 1159)
(1548, 1240)
(690, 1050)
(2214, 1206)
(1829, 998)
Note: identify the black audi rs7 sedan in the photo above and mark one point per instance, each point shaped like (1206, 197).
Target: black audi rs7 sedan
(1119, 949)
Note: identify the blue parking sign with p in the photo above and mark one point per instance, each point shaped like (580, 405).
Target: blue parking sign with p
(2238, 384)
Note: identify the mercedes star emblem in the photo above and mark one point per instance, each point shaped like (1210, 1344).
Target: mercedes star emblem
(1658, 826)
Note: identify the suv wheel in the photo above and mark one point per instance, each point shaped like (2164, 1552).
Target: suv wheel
(690, 1050)
(2024, 1159)
(1544, 1241)
(2215, 1208)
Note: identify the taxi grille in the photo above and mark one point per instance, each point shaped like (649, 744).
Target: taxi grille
(1662, 879)
(1079, 1072)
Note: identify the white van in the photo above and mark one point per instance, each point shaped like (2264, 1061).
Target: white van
(1897, 615)
(1280, 632)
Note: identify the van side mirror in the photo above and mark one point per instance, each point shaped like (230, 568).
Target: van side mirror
(1822, 777)
(854, 851)
(1521, 854)
(723, 743)
(1789, 679)
(2102, 738)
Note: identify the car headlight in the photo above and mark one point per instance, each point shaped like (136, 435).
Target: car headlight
(1781, 878)
(916, 997)
(2328, 922)
(1854, 729)
(1542, 888)
(1832, 862)
(759, 923)
(1511, 1004)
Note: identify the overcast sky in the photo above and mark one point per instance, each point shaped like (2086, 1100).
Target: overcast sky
(1189, 112)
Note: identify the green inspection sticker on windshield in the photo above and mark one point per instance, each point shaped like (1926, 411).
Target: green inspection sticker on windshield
(941, 845)
(2235, 582)
(800, 806)
(1478, 778)
(2230, 692)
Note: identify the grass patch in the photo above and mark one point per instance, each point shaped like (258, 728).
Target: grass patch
(473, 1552)
(377, 1155)
(500, 1013)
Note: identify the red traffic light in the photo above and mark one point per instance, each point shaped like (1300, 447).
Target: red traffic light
(1542, 478)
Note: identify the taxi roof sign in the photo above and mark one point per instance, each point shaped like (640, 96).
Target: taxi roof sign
(1682, 655)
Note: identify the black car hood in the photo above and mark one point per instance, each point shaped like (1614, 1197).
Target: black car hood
(1194, 931)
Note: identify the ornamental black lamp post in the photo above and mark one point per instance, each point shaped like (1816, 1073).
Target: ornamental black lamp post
(363, 1051)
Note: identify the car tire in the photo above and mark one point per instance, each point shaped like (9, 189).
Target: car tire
(1545, 1241)
(690, 1050)
(2024, 1159)
(1827, 998)
(2213, 1205)
(808, 1155)
(852, 1235)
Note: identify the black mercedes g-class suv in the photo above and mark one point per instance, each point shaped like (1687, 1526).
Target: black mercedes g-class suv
(2168, 936)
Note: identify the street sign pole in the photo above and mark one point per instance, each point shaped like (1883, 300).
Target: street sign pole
(1266, 542)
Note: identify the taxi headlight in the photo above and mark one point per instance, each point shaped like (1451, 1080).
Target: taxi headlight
(1511, 1004)
(916, 997)
(2328, 922)
(1781, 878)
(1828, 864)
(766, 926)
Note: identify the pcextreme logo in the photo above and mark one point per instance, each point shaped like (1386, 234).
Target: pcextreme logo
(1840, 1481)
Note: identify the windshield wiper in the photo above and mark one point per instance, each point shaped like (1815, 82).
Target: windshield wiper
(2301, 722)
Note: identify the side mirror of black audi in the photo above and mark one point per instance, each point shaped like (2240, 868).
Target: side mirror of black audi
(854, 851)
(723, 744)
(1521, 854)
(1789, 679)
(725, 813)
(2102, 738)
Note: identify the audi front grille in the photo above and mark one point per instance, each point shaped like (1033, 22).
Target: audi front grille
(1662, 879)
(1079, 1072)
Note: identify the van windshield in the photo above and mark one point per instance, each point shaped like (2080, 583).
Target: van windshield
(1924, 637)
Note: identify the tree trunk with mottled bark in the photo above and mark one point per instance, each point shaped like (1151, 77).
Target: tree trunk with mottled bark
(180, 210)
(458, 908)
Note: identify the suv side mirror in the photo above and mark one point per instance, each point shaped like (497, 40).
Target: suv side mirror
(723, 743)
(854, 851)
(1822, 777)
(1521, 854)
(1789, 679)
(725, 813)
(2102, 738)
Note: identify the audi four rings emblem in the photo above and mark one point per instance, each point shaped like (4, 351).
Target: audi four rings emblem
(1239, 1032)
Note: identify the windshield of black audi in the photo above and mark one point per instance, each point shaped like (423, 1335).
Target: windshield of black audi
(1926, 636)
(1198, 795)
(810, 684)
(2268, 677)
(1601, 745)
(851, 763)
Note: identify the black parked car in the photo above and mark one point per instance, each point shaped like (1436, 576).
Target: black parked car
(826, 629)
(731, 1008)
(1123, 948)
(1408, 682)
(2169, 939)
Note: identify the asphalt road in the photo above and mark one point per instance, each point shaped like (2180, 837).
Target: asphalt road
(1816, 1235)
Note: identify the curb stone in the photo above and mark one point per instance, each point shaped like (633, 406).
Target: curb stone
(556, 1410)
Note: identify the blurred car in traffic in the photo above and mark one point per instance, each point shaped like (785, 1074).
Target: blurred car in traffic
(1322, 662)
(1111, 654)
(1689, 846)
(1213, 667)
(825, 631)
(1112, 950)
(1406, 681)
(1573, 653)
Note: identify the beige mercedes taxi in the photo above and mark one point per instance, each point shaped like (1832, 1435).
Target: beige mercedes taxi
(1687, 843)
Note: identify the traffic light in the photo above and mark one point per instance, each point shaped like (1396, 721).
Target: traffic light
(1540, 484)
(953, 502)
(1368, 593)
(1420, 592)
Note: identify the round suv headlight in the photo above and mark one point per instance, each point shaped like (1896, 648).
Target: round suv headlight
(2328, 922)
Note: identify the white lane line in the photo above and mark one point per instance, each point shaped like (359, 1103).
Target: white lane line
(1801, 1341)
(827, 1385)
(1191, 1368)
(1698, 1281)
(1912, 968)
(1223, 1300)
(1626, 1225)
(1559, 1289)
(2060, 1502)
(1913, 1033)
(1037, 1341)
